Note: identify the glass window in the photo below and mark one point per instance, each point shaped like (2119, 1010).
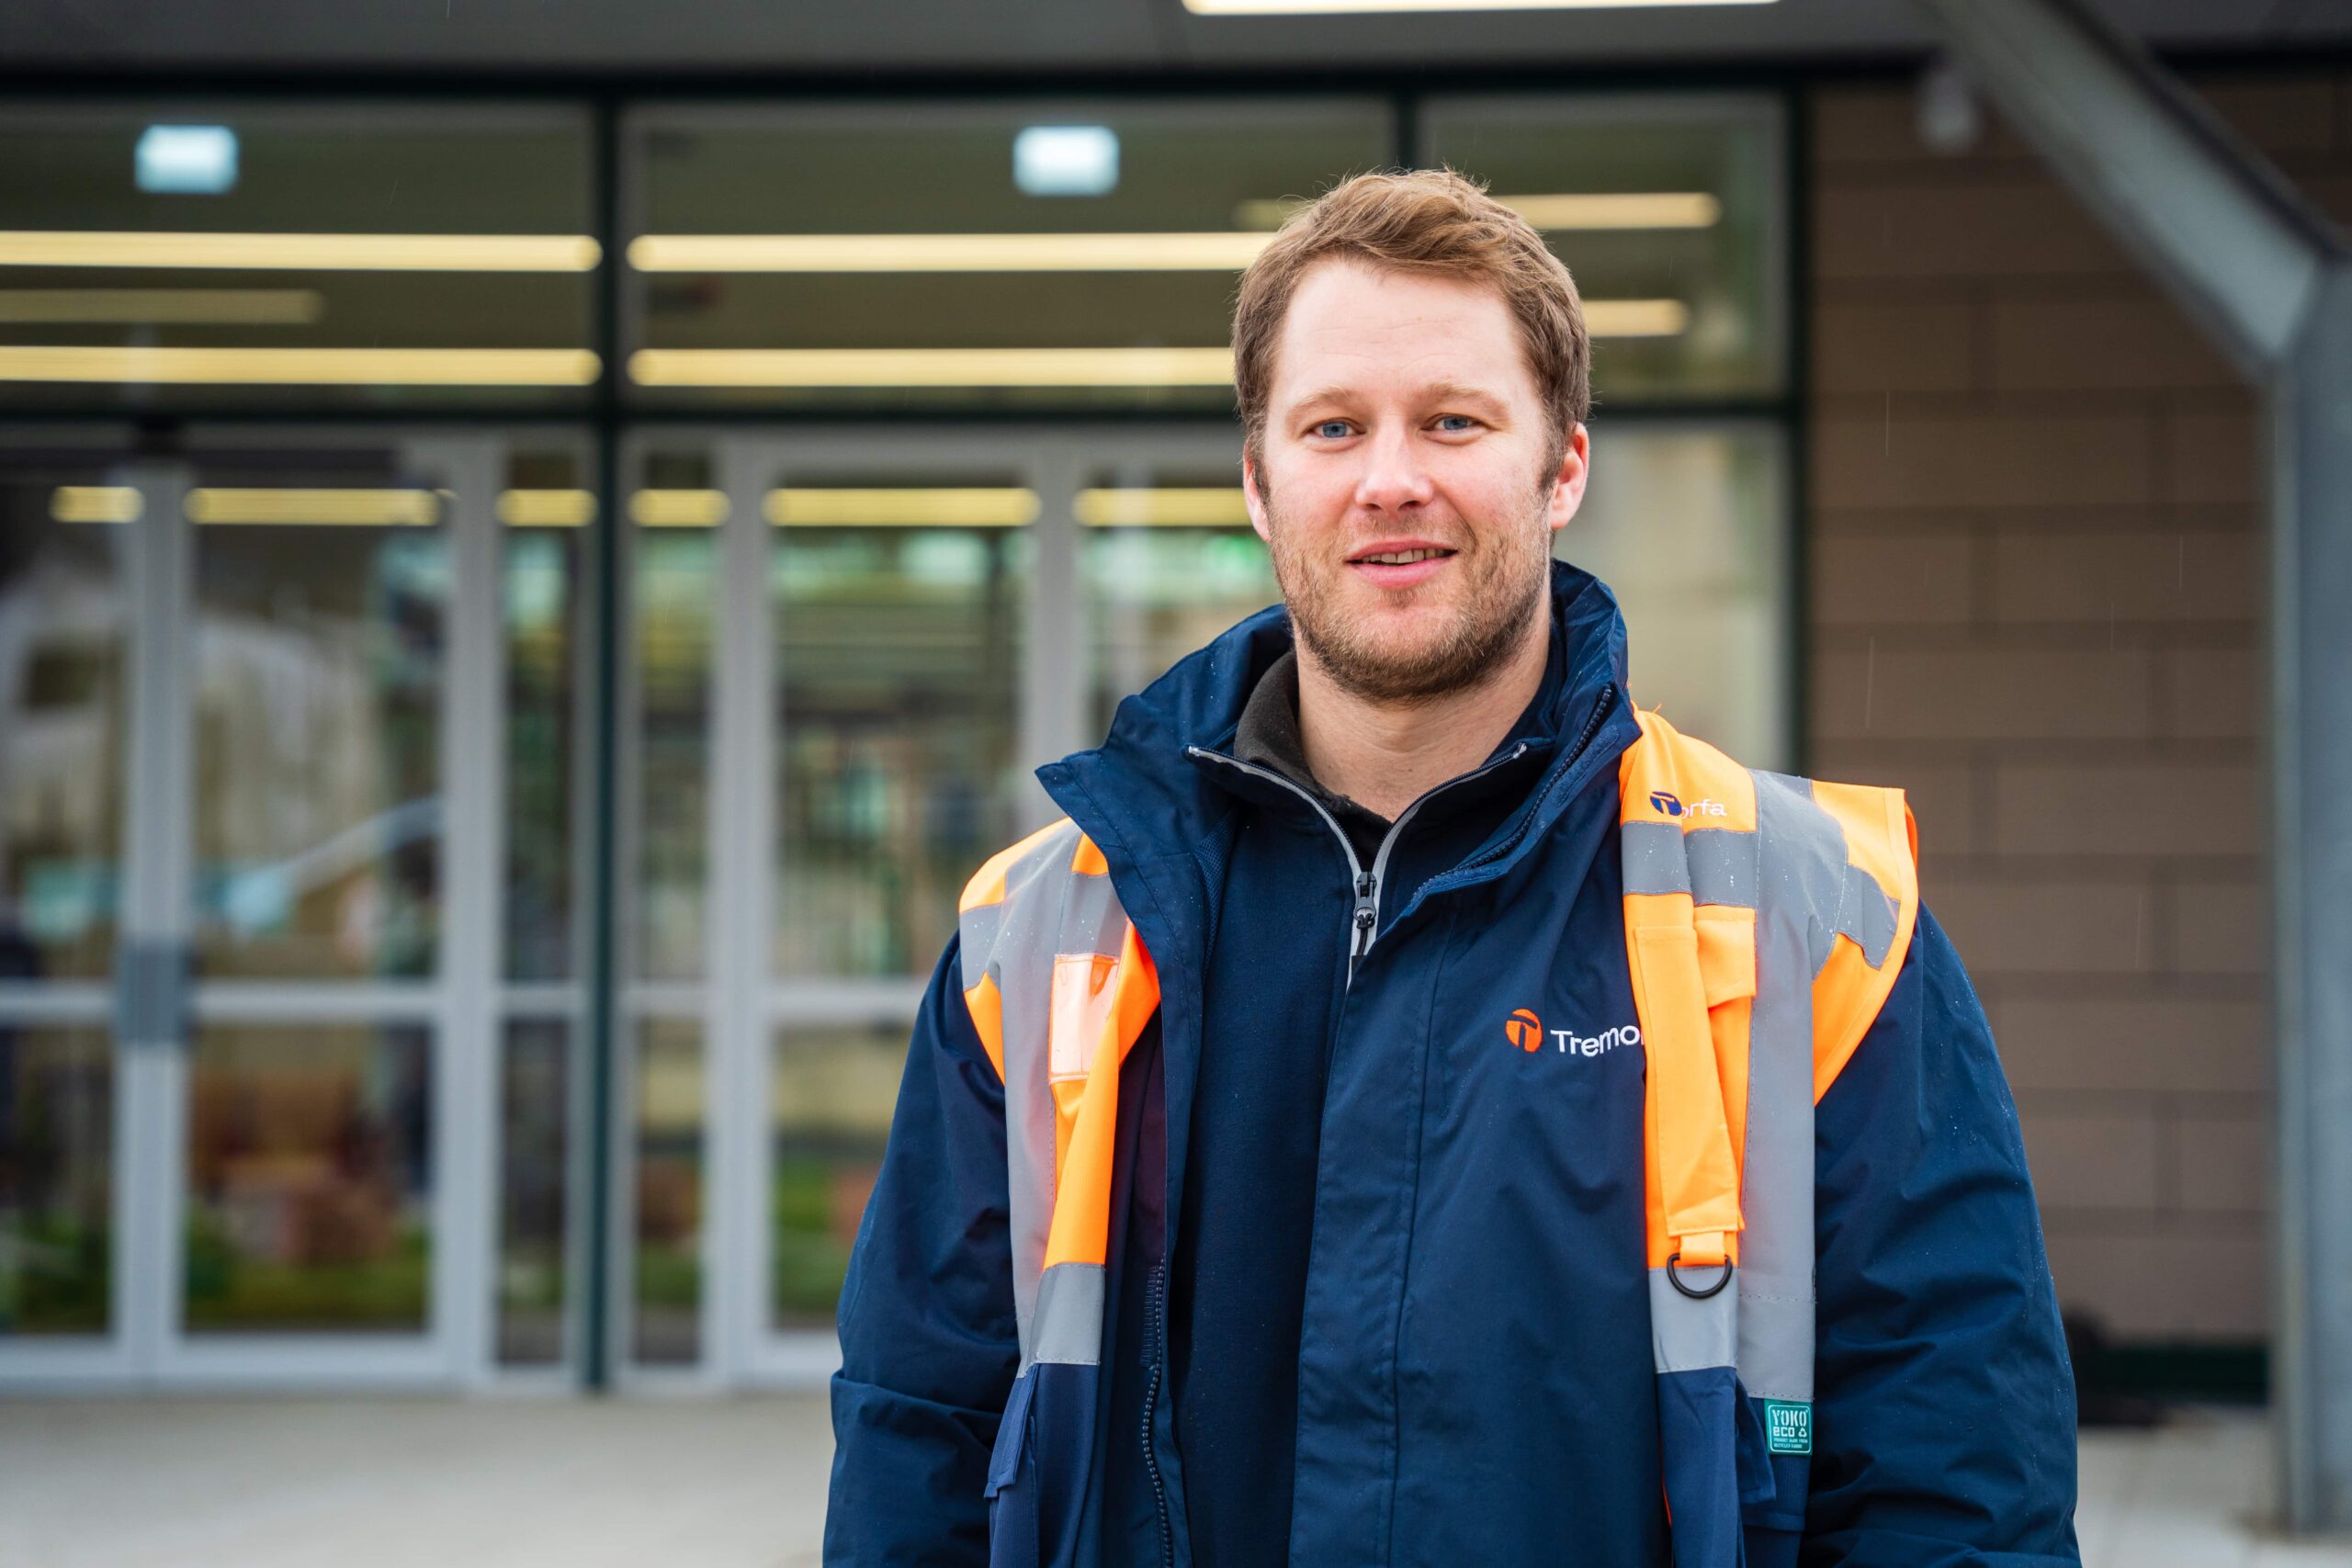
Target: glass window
(321, 604)
(66, 528)
(1668, 211)
(383, 255)
(964, 256)
(1688, 526)
(898, 637)
(534, 1148)
(674, 605)
(56, 1180)
(546, 509)
(1171, 561)
(309, 1177)
(832, 1096)
(669, 1099)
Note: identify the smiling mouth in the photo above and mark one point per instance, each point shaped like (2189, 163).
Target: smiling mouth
(1399, 558)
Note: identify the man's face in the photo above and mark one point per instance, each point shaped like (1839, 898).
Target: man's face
(1405, 487)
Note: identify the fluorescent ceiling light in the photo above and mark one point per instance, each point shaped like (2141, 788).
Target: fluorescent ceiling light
(142, 307)
(186, 160)
(1211, 250)
(308, 508)
(1172, 506)
(1065, 159)
(678, 508)
(95, 503)
(1598, 210)
(547, 508)
(303, 366)
(301, 252)
(1336, 7)
(932, 367)
(967, 507)
(1636, 317)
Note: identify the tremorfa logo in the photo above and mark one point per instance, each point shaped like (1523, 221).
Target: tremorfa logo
(1671, 805)
(1526, 1031)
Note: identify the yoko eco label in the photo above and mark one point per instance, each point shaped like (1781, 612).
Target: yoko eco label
(1788, 1426)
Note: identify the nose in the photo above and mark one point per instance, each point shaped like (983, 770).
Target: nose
(1394, 479)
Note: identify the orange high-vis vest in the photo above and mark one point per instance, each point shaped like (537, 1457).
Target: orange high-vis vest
(1766, 919)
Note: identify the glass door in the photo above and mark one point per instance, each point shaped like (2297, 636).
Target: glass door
(258, 1078)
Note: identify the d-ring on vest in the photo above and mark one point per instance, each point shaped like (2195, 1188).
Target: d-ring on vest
(1766, 917)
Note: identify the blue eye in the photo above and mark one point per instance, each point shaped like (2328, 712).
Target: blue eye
(1456, 421)
(1332, 429)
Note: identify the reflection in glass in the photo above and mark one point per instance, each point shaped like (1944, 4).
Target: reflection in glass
(1689, 526)
(319, 652)
(308, 1178)
(674, 606)
(944, 173)
(545, 646)
(56, 1180)
(1156, 590)
(62, 720)
(534, 1150)
(1706, 257)
(669, 1099)
(828, 1114)
(898, 654)
(325, 170)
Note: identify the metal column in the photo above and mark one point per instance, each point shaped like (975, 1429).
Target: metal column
(2270, 278)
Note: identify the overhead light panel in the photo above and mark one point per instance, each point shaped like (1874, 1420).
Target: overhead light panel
(1636, 317)
(1208, 250)
(186, 160)
(939, 506)
(372, 508)
(299, 253)
(301, 367)
(547, 508)
(678, 508)
(932, 367)
(1581, 209)
(95, 503)
(1167, 506)
(1065, 159)
(1339, 7)
(164, 307)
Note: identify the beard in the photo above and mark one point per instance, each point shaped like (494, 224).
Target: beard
(1495, 579)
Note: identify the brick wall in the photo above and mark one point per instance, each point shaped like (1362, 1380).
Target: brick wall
(2037, 592)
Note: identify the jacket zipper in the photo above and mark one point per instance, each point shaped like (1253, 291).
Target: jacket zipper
(1600, 710)
(1363, 918)
(1159, 1302)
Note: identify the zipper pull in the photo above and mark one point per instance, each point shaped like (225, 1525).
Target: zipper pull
(1366, 915)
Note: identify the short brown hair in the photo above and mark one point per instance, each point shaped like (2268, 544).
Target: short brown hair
(1423, 221)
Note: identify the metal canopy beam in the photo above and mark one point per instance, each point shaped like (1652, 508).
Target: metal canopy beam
(2271, 279)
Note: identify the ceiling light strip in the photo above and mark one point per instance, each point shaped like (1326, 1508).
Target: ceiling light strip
(546, 508)
(1169, 506)
(945, 506)
(1213, 251)
(932, 367)
(290, 506)
(1587, 211)
(302, 367)
(224, 307)
(95, 503)
(300, 252)
(1342, 7)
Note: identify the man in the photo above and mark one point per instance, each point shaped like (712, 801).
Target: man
(1379, 1126)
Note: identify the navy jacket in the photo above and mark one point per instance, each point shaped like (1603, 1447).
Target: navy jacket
(1442, 1236)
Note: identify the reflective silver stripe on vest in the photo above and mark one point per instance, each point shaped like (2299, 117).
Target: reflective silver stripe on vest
(1048, 910)
(1793, 870)
(1687, 1334)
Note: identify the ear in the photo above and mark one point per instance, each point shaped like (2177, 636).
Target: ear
(1251, 496)
(1567, 485)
